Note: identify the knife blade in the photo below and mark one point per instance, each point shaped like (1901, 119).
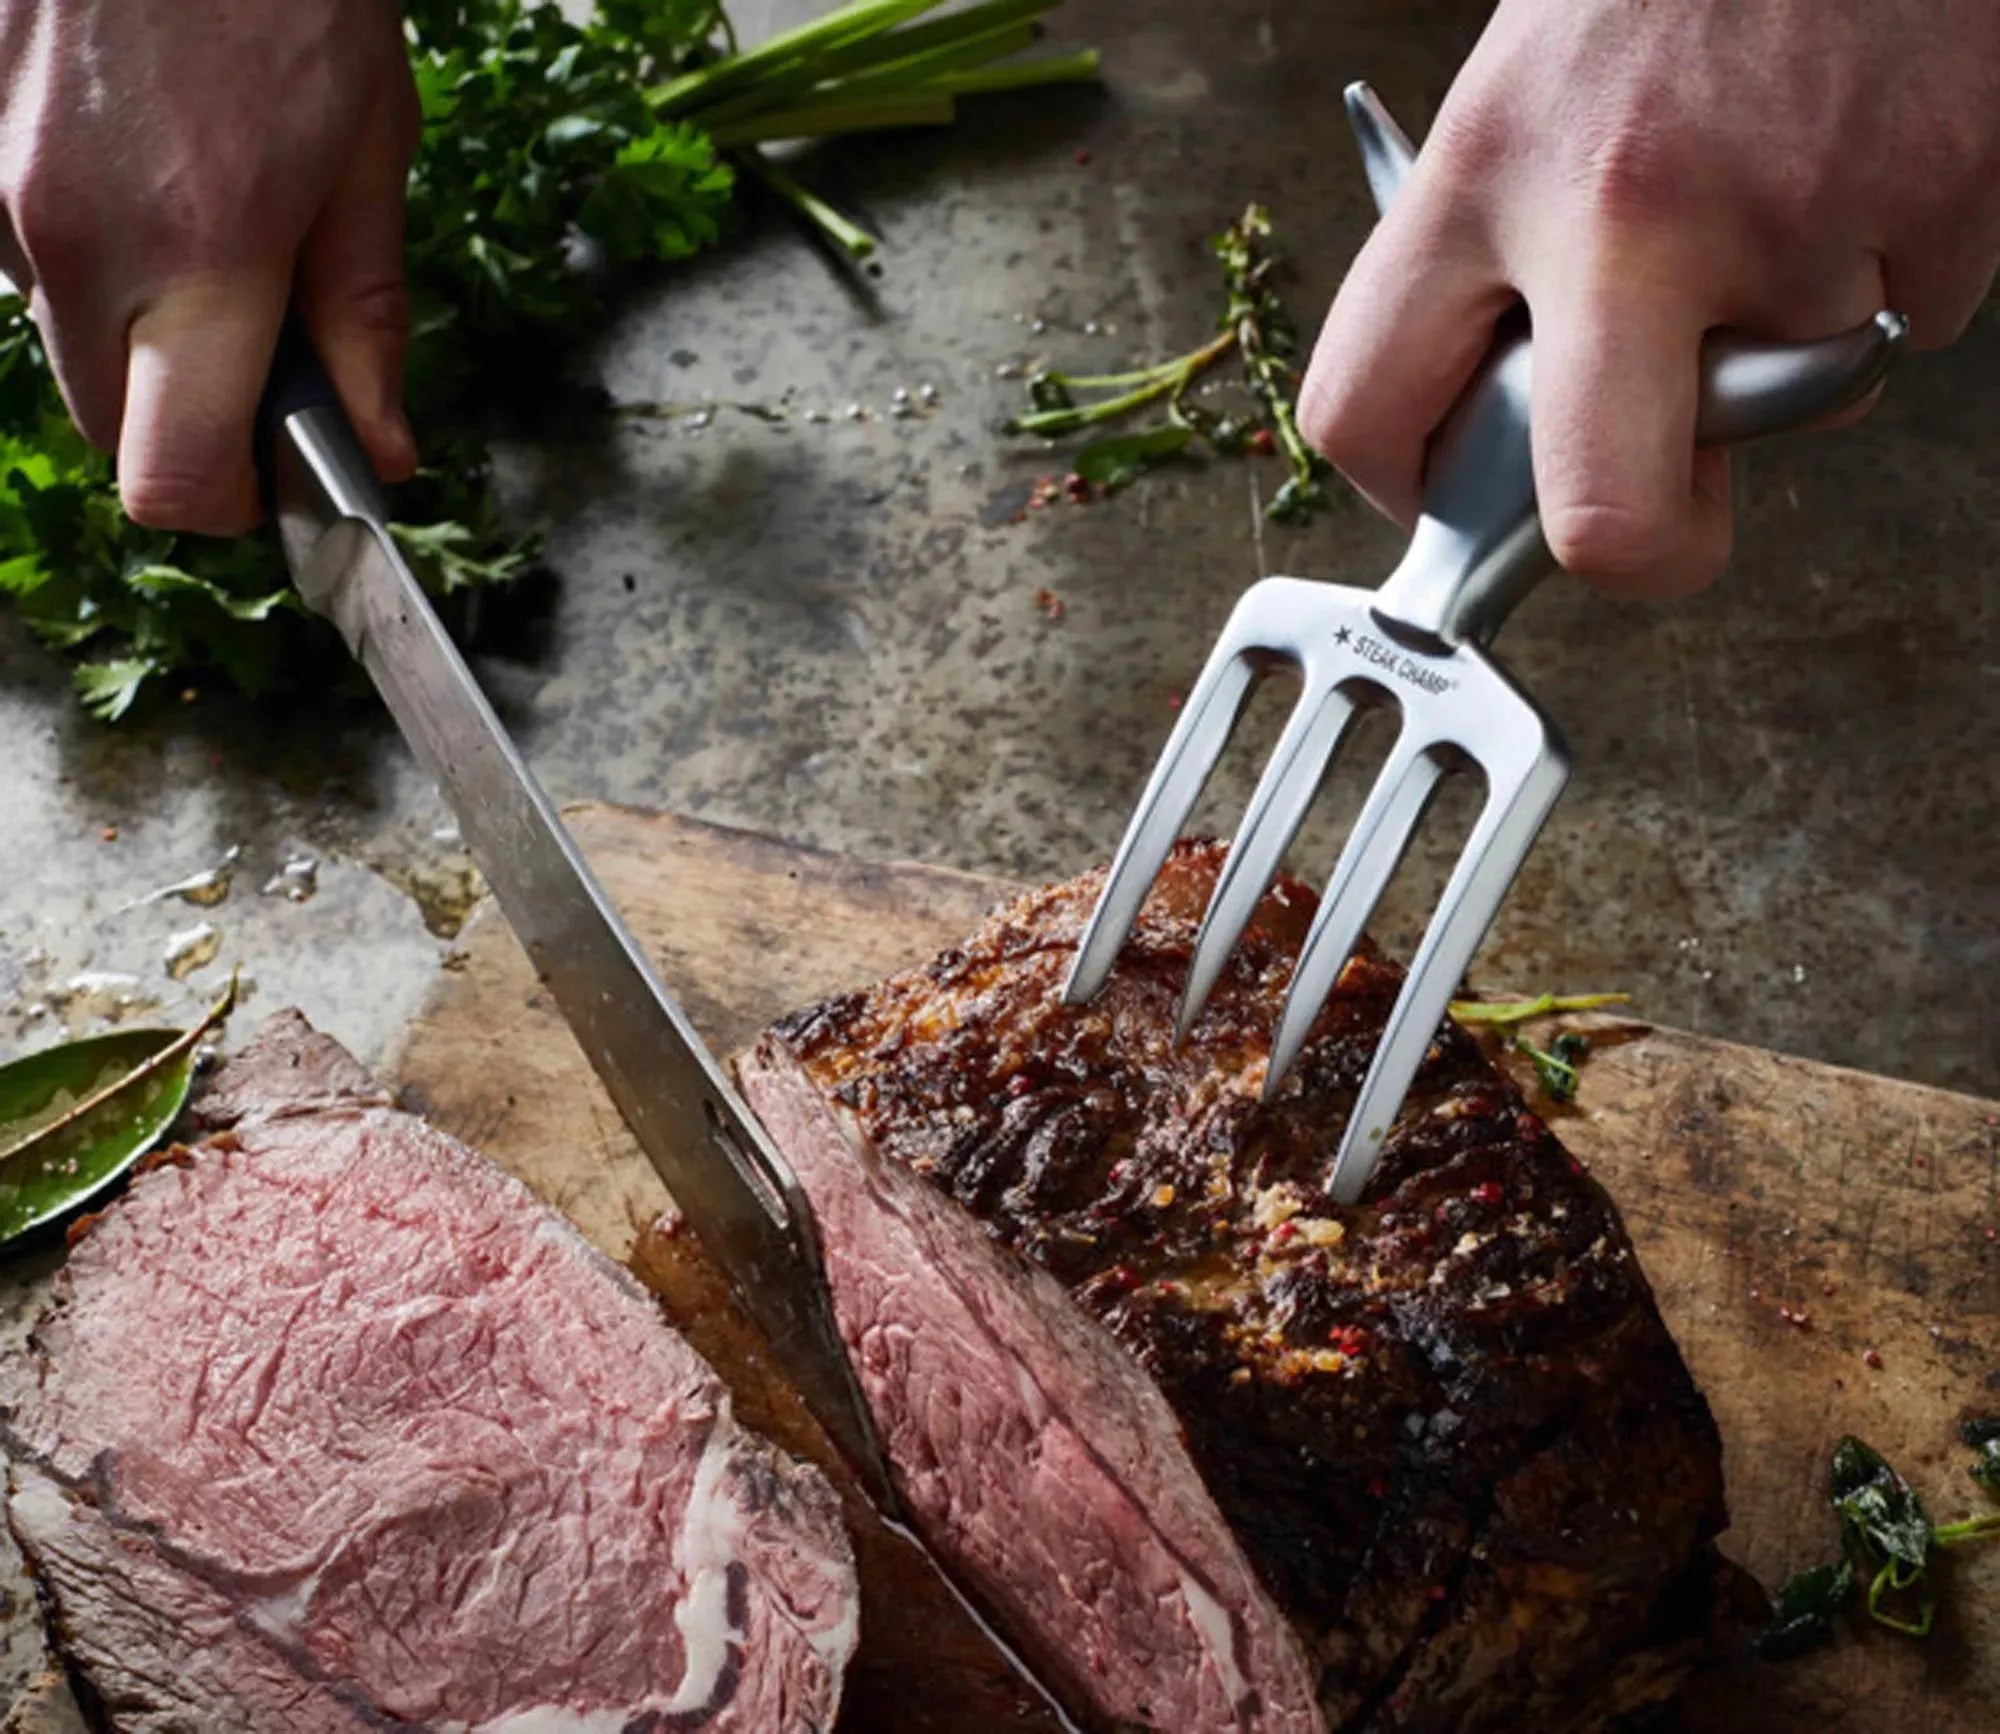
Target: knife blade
(733, 1186)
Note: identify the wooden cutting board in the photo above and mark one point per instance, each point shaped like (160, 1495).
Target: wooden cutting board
(1755, 1186)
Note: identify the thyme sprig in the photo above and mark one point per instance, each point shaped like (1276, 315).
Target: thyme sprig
(1253, 326)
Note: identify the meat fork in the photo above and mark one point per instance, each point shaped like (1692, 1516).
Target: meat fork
(1420, 643)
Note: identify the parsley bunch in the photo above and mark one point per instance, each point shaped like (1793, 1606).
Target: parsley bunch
(552, 148)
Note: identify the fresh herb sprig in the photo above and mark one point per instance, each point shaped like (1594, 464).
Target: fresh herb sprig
(1508, 1014)
(1255, 328)
(552, 145)
(1268, 342)
(1887, 1542)
(1555, 1066)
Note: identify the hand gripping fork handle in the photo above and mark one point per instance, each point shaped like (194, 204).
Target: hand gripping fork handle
(1419, 641)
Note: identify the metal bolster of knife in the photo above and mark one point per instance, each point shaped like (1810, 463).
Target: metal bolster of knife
(327, 497)
(320, 488)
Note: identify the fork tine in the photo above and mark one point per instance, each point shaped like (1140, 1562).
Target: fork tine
(1270, 822)
(1499, 843)
(1381, 835)
(1206, 719)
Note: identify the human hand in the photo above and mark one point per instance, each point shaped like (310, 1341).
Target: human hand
(1639, 175)
(172, 177)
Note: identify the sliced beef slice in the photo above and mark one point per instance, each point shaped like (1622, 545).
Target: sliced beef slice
(1219, 1454)
(331, 1425)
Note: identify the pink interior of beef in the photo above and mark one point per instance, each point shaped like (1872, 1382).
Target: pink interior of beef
(1035, 1456)
(411, 1435)
(164, 1649)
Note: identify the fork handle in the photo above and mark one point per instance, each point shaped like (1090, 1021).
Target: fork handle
(1478, 546)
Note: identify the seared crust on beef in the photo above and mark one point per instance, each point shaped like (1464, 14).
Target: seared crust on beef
(1447, 1425)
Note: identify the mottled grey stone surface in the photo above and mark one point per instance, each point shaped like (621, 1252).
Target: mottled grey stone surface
(830, 629)
(1782, 824)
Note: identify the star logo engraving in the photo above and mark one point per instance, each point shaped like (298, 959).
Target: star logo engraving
(1341, 635)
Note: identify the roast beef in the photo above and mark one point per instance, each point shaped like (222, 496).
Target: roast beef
(330, 1426)
(1219, 1454)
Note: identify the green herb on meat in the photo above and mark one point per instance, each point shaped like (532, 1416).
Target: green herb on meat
(1254, 327)
(75, 1117)
(553, 145)
(1887, 1540)
(1555, 1066)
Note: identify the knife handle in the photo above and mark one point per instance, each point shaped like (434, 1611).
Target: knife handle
(298, 382)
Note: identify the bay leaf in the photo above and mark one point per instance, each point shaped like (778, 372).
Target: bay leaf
(75, 1117)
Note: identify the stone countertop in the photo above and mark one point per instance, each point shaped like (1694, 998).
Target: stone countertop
(1781, 824)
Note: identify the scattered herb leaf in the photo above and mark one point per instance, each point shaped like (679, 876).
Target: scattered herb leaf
(1886, 1542)
(1113, 461)
(1984, 1437)
(74, 1117)
(110, 689)
(1886, 1532)
(1555, 1066)
(1269, 342)
(1297, 498)
(1506, 1013)
(450, 556)
(1048, 391)
(1254, 327)
(1803, 1611)
(1056, 410)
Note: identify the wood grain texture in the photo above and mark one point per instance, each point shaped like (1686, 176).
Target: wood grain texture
(1751, 1182)
(46, 1707)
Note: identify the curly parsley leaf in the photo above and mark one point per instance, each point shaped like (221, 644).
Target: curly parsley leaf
(109, 689)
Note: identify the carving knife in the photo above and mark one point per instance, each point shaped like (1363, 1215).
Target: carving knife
(732, 1184)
